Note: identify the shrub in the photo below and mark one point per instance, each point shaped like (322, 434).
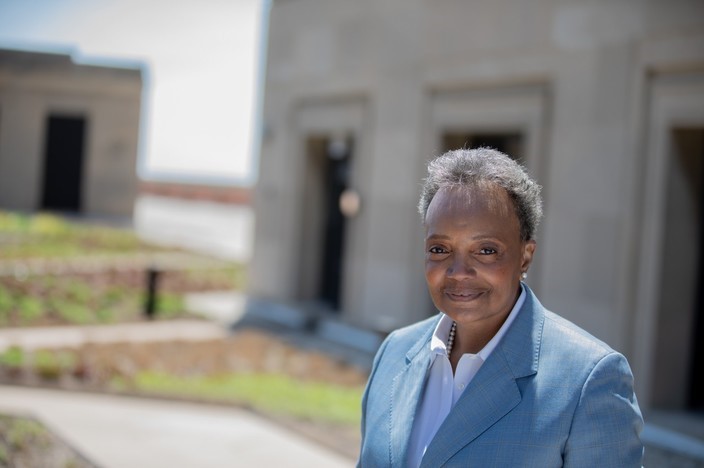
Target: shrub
(30, 309)
(51, 365)
(74, 312)
(12, 358)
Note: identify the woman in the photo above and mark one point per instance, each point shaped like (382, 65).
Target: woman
(494, 379)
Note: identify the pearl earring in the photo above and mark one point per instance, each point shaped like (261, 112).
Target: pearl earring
(524, 276)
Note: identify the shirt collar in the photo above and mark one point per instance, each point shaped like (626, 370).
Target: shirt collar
(438, 343)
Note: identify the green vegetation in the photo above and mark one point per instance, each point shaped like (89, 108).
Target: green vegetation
(74, 312)
(273, 394)
(49, 236)
(169, 305)
(30, 308)
(232, 274)
(47, 364)
(6, 299)
(13, 358)
(51, 365)
(80, 299)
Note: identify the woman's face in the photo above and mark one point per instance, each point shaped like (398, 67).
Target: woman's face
(474, 255)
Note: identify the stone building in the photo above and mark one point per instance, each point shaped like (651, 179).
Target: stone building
(68, 134)
(602, 101)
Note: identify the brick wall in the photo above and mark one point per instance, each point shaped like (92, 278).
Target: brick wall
(219, 194)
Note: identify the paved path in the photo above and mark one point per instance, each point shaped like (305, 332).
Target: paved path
(117, 432)
(74, 336)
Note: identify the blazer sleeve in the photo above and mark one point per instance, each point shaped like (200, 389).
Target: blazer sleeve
(607, 422)
(365, 396)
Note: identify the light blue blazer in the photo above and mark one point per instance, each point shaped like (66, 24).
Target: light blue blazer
(549, 395)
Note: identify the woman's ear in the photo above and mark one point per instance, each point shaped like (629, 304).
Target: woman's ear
(528, 251)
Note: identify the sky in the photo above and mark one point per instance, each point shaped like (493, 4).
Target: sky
(203, 63)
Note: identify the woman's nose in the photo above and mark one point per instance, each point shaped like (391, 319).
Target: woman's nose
(461, 267)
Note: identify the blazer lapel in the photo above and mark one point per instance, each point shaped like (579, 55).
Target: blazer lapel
(406, 393)
(493, 392)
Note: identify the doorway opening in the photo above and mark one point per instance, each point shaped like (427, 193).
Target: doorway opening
(679, 347)
(328, 168)
(510, 143)
(63, 163)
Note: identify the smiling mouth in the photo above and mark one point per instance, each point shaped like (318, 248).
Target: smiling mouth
(463, 296)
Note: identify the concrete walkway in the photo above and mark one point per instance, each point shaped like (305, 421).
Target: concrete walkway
(74, 336)
(117, 432)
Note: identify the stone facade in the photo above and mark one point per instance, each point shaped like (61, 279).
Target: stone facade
(68, 134)
(602, 101)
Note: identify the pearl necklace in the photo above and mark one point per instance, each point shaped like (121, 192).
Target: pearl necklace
(451, 338)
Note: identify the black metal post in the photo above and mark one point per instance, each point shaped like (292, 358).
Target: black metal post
(150, 302)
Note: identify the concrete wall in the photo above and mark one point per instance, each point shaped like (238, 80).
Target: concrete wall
(35, 85)
(575, 78)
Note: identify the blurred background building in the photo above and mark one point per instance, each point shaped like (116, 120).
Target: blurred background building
(602, 101)
(69, 134)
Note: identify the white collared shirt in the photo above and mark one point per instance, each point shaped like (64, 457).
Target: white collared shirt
(443, 389)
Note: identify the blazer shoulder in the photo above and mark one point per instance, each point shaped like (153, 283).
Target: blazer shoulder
(577, 335)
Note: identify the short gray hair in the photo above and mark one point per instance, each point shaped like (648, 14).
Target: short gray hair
(471, 167)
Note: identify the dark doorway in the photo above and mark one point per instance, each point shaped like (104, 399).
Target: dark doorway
(336, 174)
(327, 176)
(510, 143)
(63, 163)
(678, 345)
(692, 141)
